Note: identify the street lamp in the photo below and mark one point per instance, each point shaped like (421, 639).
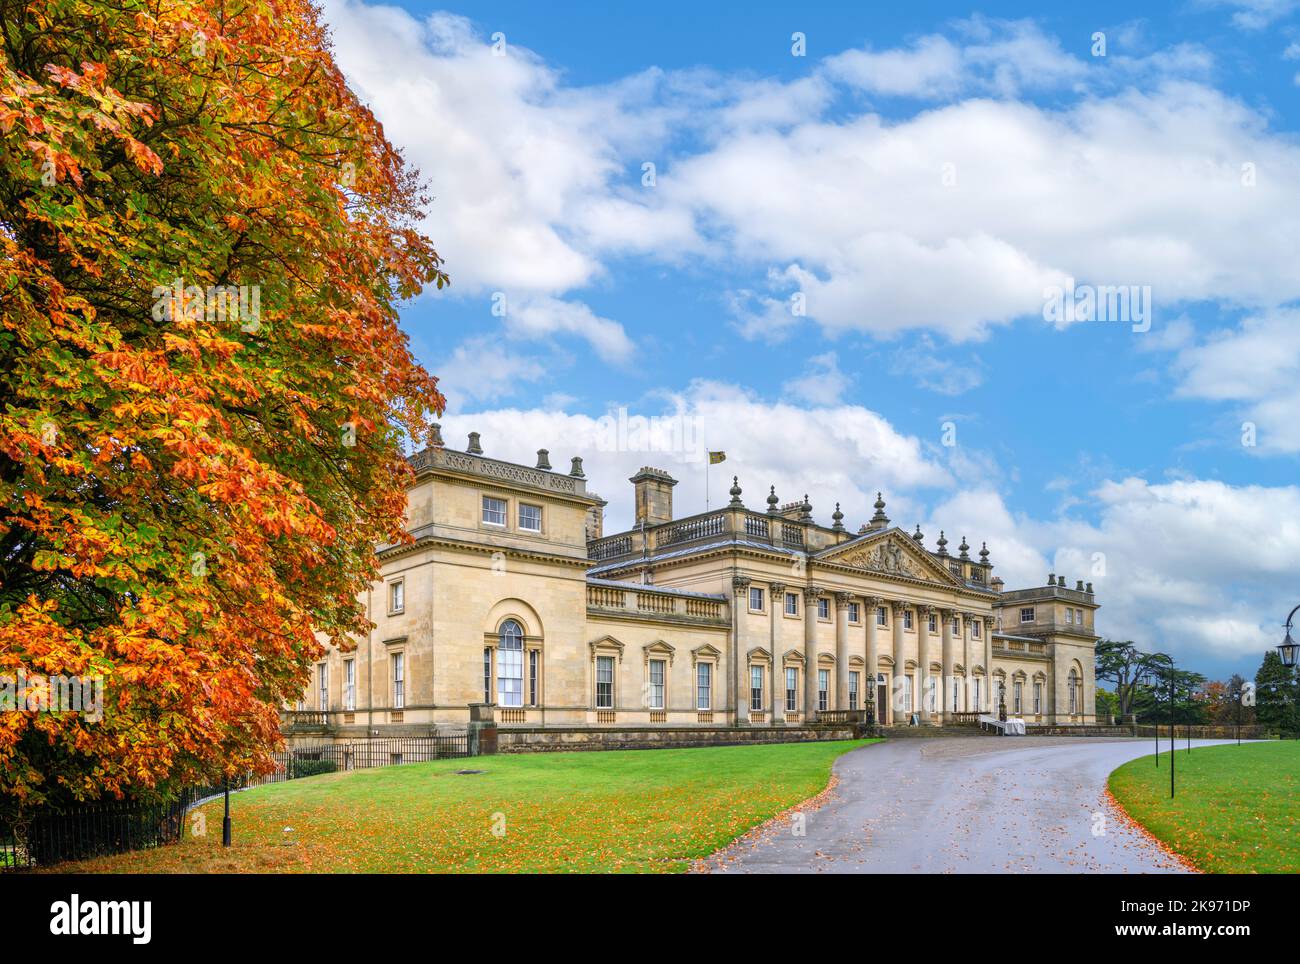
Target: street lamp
(1288, 647)
(1153, 677)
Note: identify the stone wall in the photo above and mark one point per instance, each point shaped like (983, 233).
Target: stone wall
(537, 739)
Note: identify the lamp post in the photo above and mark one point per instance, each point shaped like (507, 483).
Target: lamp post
(1288, 647)
(1153, 677)
(225, 821)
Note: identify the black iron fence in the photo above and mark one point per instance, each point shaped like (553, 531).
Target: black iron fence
(99, 829)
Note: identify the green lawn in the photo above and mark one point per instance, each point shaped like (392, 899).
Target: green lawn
(1236, 810)
(632, 810)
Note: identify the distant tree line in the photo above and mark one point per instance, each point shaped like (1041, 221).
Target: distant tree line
(1271, 699)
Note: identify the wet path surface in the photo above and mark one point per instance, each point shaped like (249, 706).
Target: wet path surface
(962, 805)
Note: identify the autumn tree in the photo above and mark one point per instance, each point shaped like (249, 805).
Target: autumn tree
(203, 387)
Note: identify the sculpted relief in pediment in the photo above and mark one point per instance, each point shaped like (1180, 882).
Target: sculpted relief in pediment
(887, 557)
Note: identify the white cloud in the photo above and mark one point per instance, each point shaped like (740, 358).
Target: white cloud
(989, 57)
(1195, 568)
(930, 370)
(541, 316)
(1256, 14)
(822, 382)
(1257, 365)
(830, 452)
(537, 183)
(480, 371)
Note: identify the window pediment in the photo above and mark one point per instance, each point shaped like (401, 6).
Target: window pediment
(606, 646)
(659, 650)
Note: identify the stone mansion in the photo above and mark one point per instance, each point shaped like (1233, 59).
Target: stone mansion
(510, 593)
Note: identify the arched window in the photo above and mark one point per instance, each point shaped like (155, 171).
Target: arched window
(1074, 693)
(510, 664)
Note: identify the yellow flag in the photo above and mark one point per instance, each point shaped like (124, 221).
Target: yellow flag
(716, 457)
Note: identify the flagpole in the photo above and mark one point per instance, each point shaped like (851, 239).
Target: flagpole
(708, 461)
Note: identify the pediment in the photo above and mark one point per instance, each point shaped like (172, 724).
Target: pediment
(659, 648)
(606, 644)
(706, 651)
(889, 553)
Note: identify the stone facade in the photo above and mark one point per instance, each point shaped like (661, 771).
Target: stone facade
(511, 594)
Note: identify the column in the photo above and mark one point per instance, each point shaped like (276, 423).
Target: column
(740, 691)
(897, 608)
(965, 661)
(810, 595)
(777, 670)
(991, 699)
(842, 652)
(948, 682)
(869, 606)
(923, 660)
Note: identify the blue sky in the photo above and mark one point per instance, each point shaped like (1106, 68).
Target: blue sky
(918, 181)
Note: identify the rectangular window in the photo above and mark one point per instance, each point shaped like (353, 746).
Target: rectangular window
(397, 596)
(855, 613)
(1069, 616)
(931, 692)
(755, 599)
(956, 627)
(823, 689)
(907, 694)
(399, 680)
(656, 693)
(933, 624)
(487, 675)
(510, 673)
(349, 684)
(977, 681)
(976, 628)
(532, 677)
(823, 609)
(494, 511)
(756, 688)
(604, 682)
(1038, 697)
(1018, 689)
(1079, 620)
(955, 707)
(853, 690)
(791, 604)
(1027, 615)
(704, 686)
(530, 517)
(322, 687)
(791, 689)
(907, 619)
(882, 616)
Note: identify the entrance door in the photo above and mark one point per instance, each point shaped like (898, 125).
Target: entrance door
(883, 715)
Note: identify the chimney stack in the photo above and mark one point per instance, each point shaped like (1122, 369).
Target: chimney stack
(654, 495)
